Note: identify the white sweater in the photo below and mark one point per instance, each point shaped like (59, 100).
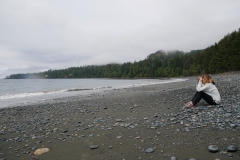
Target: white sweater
(210, 89)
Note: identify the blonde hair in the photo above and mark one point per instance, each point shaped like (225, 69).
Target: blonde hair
(208, 78)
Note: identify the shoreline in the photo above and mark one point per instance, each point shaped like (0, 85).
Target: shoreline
(34, 98)
(125, 123)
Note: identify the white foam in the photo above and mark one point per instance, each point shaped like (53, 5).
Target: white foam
(23, 95)
(152, 83)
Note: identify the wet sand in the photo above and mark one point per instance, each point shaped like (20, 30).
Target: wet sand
(125, 124)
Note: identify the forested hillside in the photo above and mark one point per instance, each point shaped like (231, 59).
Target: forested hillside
(221, 57)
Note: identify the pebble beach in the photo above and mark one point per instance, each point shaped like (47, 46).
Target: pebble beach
(147, 123)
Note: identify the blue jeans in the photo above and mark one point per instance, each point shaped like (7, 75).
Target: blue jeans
(202, 95)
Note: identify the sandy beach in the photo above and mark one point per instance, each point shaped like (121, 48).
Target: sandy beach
(147, 123)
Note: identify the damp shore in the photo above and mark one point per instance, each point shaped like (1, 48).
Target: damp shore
(126, 124)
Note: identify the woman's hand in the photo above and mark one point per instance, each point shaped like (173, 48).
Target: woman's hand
(200, 79)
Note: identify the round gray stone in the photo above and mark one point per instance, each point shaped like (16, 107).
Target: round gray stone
(213, 148)
(149, 150)
(173, 158)
(232, 148)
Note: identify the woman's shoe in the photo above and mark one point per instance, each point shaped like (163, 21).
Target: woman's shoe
(188, 105)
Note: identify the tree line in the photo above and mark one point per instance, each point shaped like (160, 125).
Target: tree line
(221, 57)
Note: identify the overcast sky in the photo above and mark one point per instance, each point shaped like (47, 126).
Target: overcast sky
(38, 35)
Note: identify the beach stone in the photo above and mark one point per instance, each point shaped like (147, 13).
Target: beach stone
(213, 148)
(232, 125)
(38, 142)
(230, 155)
(149, 150)
(232, 148)
(94, 147)
(65, 131)
(173, 158)
(187, 129)
(41, 151)
(90, 135)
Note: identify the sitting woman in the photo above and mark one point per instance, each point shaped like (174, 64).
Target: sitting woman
(205, 90)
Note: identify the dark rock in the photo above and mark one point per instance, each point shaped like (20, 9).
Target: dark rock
(65, 131)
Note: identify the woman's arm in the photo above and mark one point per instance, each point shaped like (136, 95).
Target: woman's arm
(200, 87)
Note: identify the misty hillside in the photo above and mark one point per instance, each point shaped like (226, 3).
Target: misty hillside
(220, 57)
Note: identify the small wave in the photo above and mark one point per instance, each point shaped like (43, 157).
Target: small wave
(78, 89)
(22, 95)
(152, 83)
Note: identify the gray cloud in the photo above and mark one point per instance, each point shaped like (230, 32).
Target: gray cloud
(42, 35)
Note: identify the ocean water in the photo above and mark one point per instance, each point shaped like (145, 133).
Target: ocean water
(15, 92)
